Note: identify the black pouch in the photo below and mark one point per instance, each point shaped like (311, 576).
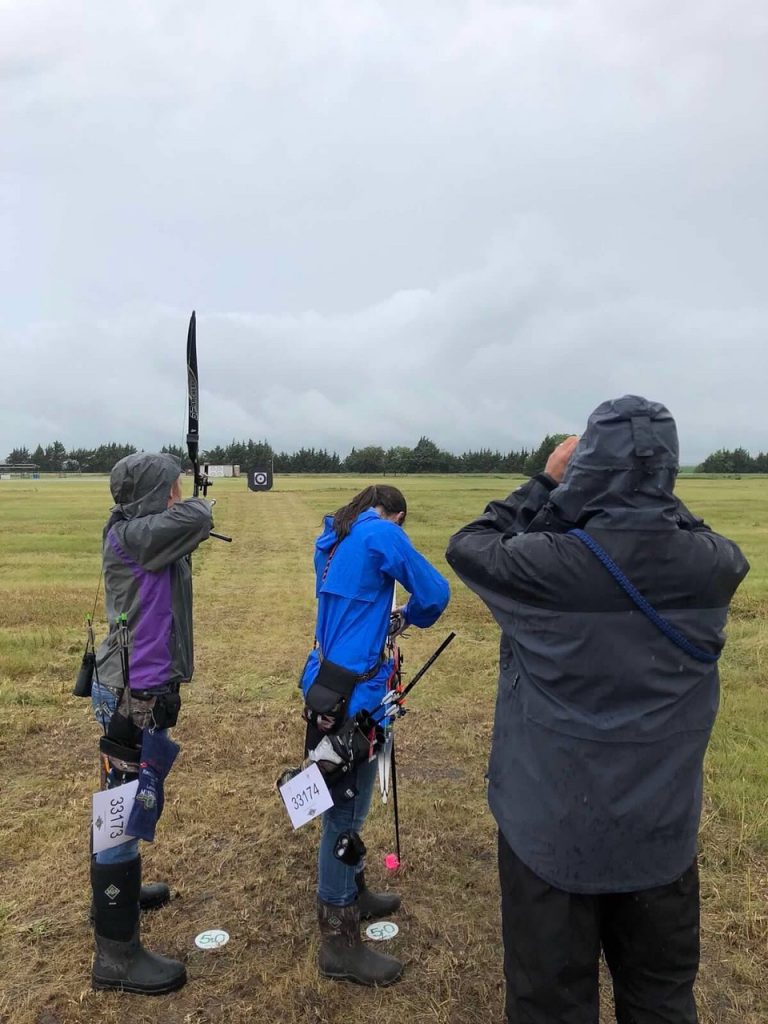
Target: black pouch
(122, 730)
(119, 762)
(121, 751)
(165, 713)
(84, 682)
(331, 690)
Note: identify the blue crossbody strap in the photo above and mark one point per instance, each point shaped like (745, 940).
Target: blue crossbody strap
(662, 624)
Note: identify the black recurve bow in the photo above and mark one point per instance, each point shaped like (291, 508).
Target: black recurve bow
(393, 703)
(388, 768)
(202, 481)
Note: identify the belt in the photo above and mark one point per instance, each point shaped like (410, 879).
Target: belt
(366, 675)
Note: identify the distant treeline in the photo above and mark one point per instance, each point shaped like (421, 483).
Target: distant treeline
(424, 457)
(55, 458)
(737, 461)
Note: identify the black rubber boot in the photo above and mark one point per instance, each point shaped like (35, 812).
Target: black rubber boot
(374, 904)
(344, 957)
(121, 961)
(151, 897)
(154, 896)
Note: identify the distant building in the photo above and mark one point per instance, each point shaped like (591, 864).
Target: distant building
(8, 470)
(216, 472)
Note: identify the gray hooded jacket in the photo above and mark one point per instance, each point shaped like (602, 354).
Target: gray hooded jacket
(601, 725)
(147, 573)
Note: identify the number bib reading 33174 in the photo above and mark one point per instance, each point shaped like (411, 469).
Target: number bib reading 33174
(306, 796)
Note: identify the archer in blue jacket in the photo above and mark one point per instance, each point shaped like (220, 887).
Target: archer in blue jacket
(361, 554)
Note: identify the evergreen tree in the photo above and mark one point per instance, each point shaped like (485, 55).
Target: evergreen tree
(714, 462)
(397, 460)
(308, 460)
(426, 457)
(258, 453)
(19, 455)
(181, 453)
(450, 463)
(55, 454)
(514, 462)
(38, 457)
(482, 461)
(724, 461)
(742, 461)
(82, 456)
(371, 460)
(106, 455)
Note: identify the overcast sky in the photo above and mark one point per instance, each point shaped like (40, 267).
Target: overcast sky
(468, 219)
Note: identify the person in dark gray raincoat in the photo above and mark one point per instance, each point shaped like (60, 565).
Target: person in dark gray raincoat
(147, 542)
(602, 720)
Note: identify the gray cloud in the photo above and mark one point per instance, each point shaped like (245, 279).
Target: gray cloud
(473, 220)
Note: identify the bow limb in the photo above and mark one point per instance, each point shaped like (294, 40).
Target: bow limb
(201, 481)
(193, 399)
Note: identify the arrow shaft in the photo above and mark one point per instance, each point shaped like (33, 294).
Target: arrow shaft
(425, 667)
(395, 805)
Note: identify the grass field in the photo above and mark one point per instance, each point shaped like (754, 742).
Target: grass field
(224, 842)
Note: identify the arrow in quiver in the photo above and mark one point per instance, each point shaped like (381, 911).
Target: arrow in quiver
(260, 478)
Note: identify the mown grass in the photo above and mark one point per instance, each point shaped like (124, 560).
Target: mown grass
(224, 842)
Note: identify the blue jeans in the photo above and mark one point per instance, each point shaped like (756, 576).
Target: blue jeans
(104, 703)
(335, 880)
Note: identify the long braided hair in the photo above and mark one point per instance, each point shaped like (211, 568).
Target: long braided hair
(389, 498)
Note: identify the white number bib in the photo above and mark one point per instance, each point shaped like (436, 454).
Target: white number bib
(111, 810)
(306, 796)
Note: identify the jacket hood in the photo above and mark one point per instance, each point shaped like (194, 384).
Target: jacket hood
(141, 483)
(624, 467)
(328, 537)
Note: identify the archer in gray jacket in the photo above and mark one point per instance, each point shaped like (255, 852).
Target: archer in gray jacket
(140, 666)
(603, 717)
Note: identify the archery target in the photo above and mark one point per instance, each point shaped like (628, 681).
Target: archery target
(260, 478)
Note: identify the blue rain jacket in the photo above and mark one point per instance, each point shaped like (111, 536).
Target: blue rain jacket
(355, 600)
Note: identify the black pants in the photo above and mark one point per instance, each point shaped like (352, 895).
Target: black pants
(553, 939)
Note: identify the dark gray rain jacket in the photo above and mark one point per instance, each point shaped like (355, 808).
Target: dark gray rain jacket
(147, 572)
(601, 725)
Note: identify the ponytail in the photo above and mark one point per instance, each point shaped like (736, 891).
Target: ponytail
(389, 498)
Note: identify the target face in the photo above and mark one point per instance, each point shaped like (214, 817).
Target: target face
(260, 478)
